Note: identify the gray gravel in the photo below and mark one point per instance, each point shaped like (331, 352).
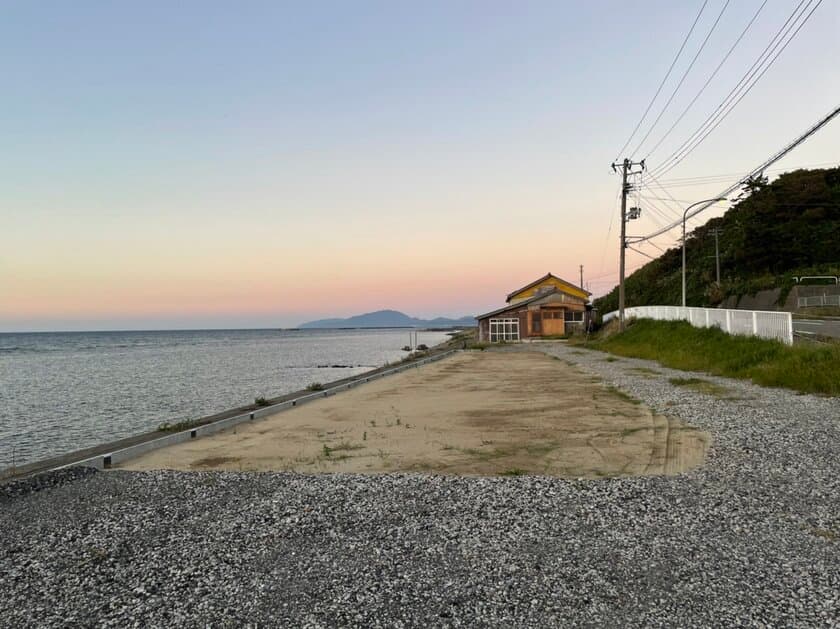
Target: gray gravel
(752, 538)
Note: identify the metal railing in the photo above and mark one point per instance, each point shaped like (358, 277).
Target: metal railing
(761, 323)
(818, 300)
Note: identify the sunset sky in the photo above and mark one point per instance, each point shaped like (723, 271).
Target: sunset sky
(252, 164)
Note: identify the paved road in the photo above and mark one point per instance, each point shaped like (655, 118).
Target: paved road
(820, 327)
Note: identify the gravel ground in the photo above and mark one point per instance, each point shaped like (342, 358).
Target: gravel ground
(752, 538)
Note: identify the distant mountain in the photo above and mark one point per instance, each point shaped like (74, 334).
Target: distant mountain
(389, 319)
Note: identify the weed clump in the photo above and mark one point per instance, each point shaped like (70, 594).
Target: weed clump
(178, 426)
(678, 345)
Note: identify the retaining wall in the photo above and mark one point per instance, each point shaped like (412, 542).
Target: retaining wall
(108, 459)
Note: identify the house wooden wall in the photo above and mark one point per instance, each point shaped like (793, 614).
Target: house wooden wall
(551, 282)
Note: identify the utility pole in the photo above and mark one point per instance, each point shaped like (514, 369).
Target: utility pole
(626, 168)
(717, 231)
(581, 278)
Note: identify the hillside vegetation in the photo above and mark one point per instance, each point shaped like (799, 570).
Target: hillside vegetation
(775, 231)
(676, 344)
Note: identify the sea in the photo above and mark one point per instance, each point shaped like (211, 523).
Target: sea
(62, 391)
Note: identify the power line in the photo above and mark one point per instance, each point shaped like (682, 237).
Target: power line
(726, 107)
(641, 252)
(669, 182)
(709, 80)
(678, 212)
(682, 79)
(755, 172)
(783, 30)
(740, 98)
(664, 79)
(609, 230)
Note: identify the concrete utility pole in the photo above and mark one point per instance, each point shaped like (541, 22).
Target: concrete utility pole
(581, 278)
(626, 167)
(717, 231)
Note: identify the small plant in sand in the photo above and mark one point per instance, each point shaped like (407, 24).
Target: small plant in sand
(178, 426)
(314, 386)
(261, 401)
(327, 450)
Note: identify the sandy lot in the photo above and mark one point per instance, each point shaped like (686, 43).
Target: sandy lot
(480, 413)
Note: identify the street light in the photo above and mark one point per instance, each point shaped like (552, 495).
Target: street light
(685, 216)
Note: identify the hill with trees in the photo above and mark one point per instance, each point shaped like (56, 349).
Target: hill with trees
(775, 231)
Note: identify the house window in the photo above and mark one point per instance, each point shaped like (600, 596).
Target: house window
(574, 316)
(504, 330)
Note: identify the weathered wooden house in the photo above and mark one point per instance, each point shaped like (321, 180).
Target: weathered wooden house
(547, 307)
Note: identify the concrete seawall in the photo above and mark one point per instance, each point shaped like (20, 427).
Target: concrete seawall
(112, 453)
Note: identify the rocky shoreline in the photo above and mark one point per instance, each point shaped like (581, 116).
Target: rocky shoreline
(751, 538)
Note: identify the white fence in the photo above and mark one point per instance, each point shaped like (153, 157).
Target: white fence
(818, 300)
(766, 324)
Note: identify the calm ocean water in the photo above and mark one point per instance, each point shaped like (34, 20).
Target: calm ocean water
(64, 391)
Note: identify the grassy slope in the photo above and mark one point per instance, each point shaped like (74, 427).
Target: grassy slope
(679, 345)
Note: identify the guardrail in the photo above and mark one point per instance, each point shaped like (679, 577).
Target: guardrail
(105, 461)
(762, 323)
(818, 300)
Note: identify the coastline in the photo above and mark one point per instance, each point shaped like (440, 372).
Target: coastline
(90, 454)
(418, 549)
(480, 413)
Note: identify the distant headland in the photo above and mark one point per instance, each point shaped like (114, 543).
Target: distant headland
(388, 319)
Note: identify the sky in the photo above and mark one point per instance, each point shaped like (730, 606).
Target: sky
(261, 164)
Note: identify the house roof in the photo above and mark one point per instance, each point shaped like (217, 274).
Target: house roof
(518, 304)
(542, 279)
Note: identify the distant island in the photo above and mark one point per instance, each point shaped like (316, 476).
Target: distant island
(389, 319)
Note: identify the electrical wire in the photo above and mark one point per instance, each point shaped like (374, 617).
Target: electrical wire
(726, 107)
(682, 79)
(709, 80)
(664, 79)
(667, 182)
(783, 30)
(756, 171)
(640, 252)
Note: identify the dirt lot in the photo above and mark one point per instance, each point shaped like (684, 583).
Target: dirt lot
(475, 413)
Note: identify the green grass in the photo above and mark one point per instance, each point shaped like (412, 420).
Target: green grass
(179, 426)
(698, 384)
(677, 344)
